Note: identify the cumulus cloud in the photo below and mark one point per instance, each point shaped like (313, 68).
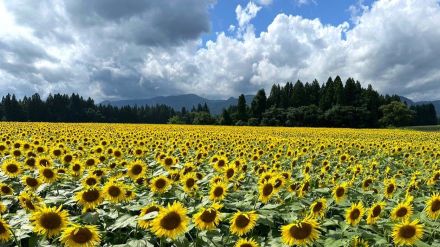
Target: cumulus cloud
(245, 15)
(135, 50)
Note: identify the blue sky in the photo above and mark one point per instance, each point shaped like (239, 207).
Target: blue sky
(333, 12)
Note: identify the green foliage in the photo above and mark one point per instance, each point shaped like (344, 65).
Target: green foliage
(396, 114)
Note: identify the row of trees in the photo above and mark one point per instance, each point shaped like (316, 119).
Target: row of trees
(333, 104)
(74, 108)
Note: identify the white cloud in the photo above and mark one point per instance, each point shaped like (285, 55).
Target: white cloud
(392, 45)
(244, 16)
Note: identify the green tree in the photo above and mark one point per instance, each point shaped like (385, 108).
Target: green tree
(258, 105)
(242, 109)
(396, 113)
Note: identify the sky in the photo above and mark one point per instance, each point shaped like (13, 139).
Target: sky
(112, 49)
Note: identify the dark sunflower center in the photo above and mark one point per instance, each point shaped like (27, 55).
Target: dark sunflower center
(242, 221)
(407, 232)
(152, 209)
(168, 161)
(76, 167)
(340, 192)
(267, 189)
(6, 189)
(160, 183)
(294, 186)
(354, 214)
(81, 236)
(218, 191)
(171, 221)
(90, 162)
(90, 195)
(29, 205)
(278, 183)
(230, 173)
(50, 221)
(114, 191)
(367, 182)
(48, 173)
(31, 182)
(376, 211)
(136, 169)
(246, 245)
(12, 168)
(190, 182)
(301, 232)
(30, 162)
(401, 212)
(435, 206)
(57, 152)
(68, 158)
(91, 181)
(2, 228)
(208, 215)
(317, 207)
(221, 163)
(390, 188)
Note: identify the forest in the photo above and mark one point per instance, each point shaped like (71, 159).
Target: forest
(332, 104)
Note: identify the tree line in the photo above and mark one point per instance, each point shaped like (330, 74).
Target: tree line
(332, 104)
(74, 108)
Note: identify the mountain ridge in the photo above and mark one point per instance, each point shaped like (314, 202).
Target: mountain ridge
(183, 100)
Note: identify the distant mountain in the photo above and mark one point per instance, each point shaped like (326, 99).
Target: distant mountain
(409, 102)
(179, 101)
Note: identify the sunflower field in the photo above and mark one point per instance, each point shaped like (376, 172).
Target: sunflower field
(172, 185)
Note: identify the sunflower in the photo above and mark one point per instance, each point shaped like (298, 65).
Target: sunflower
(402, 211)
(230, 171)
(432, 208)
(5, 231)
(301, 233)
(353, 215)
(136, 169)
(31, 182)
(390, 187)
(91, 181)
(89, 198)
(318, 208)
(168, 162)
(243, 242)
(49, 221)
(160, 184)
(11, 168)
(171, 222)
(340, 192)
(189, 182)
(374, 212)
(5, 190)
(76, 169)
(218, 191)
(29, 201)
(48, 175)
(145, 223)
(367, 183)
(207, 218)
(80, 236)
(114, 191)
(407, 233)
(266, 191)
(358, 242)
(44, 161)
(243, 222)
